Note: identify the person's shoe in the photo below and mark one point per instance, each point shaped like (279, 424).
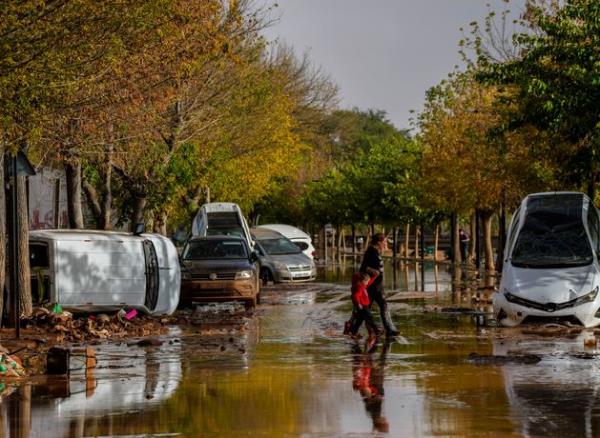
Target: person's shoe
(347, 328)
(392, 332)
(371, 344)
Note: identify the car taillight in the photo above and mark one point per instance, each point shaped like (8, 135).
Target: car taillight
(314, 253)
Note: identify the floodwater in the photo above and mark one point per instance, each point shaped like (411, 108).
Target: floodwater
(287, 371)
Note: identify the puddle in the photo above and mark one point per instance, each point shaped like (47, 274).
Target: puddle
(286, 370)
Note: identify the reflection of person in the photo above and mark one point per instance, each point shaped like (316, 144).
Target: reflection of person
(464, 239)
(360, 298)
(372, 259)
(367, 379)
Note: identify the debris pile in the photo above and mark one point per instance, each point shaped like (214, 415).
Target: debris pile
(10, 366)
(64, 326)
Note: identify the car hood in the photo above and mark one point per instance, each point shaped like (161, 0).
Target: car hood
(551, 285)
(215, 265)
(299, 259)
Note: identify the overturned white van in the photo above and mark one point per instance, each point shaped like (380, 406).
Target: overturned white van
(221, 218)
(88, 270)
(551, 270)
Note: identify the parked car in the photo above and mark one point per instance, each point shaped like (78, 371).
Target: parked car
(221, 219)
(551, 269)
(280, 259)
(219, 268)
(89, 270)
(296, 235)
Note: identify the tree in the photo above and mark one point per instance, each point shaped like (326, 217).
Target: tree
(469, 161)
(555, 80)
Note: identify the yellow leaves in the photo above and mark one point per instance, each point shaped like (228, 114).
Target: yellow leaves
(461, 163)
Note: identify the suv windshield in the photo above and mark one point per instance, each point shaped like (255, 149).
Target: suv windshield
(214, 249)
(279, 246)
(553, 234)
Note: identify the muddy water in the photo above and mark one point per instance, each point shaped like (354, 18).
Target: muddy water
(287, 371)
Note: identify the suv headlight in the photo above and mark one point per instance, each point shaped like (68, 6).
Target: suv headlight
(243, 275)
(280, 266)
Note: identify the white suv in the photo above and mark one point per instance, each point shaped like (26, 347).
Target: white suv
(296, 235)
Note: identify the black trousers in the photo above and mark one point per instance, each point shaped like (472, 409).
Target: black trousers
(376, 296)
(360, 315)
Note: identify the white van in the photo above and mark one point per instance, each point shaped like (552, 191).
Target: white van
(88, 270)
(221, 218)
(296, 235)
(551, 270)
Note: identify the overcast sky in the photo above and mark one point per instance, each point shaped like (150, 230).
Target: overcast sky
(383, 54)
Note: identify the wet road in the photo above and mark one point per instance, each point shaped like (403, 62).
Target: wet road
(286, 370)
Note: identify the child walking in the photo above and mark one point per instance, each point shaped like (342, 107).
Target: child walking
(360, 298)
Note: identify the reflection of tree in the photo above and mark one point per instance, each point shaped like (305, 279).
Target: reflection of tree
(367, 379)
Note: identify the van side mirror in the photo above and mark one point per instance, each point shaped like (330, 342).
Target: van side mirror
(253, 256)
(139, 229)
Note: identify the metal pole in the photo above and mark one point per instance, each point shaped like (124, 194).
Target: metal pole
(15, 250)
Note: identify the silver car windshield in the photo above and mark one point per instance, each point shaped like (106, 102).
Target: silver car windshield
(553, 235)
(279, 246)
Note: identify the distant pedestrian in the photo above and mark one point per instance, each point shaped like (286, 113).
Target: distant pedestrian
(373, 259)
(464, 239)
(360, 298)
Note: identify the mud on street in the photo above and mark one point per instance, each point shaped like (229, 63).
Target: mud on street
(285, 369)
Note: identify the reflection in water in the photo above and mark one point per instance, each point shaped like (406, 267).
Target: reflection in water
(557, 397)
(79, 405)
(297, 376)
(368, 378)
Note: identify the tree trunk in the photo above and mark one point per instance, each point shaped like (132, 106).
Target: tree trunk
(416, 255)
(406, 239)
(93, 202)
(487, 239)
(73, 174)
(160, 223)
(105, 218)
(436, 241)
(2, 235)
(23, 242)
(474, 236)
(343, 237)
(139, 204)
(456, 242)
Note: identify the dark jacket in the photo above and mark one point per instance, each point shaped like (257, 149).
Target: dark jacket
(372, 259)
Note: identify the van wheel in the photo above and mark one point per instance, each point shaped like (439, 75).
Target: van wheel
(251, 303)
(266, 275)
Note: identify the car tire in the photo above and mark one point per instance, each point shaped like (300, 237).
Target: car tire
(257, 299)
(266, 275)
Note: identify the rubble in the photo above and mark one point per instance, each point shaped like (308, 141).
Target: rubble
(66, 327)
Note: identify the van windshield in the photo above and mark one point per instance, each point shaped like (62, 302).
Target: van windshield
(553, 237)
(279, 246)
(215, 249)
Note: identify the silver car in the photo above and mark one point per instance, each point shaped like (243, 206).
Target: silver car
(281, 260)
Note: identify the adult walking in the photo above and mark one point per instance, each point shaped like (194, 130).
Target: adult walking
(373, 259)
